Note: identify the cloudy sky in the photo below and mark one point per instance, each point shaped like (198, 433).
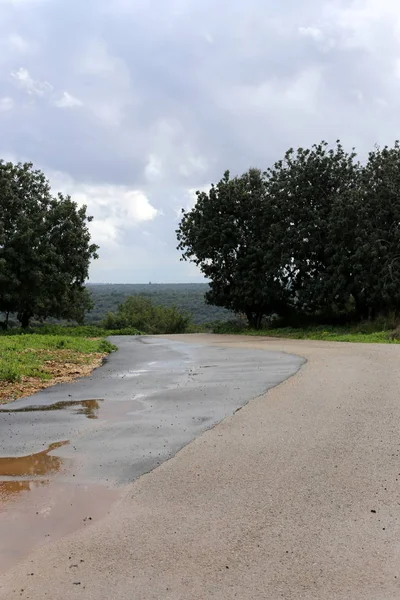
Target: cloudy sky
(132, 105)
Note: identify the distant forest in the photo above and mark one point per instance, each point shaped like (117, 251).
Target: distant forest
(185, 296)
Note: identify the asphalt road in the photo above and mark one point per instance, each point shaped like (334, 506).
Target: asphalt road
(297, 495)
(68, 449)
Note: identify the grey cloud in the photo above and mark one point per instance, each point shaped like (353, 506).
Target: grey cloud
(163, 96)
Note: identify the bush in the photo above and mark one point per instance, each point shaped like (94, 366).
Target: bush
(234, 326)
(140, 313)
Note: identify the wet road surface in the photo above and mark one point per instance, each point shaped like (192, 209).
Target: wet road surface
(66, 451)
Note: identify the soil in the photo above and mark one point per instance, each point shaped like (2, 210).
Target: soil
(60, 370)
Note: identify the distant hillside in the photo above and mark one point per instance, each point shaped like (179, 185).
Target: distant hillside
(187, 296)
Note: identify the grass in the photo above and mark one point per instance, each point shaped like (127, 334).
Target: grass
(70, 331)
(31, 361)
(326, 334)
(367, 333)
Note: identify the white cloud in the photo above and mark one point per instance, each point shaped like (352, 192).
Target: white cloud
(171, 98)
(172, 154)
(21, 2)
(154, 168)
(115, 208)
(208, 37)
(299, 94)
(30, 85)
(312, 32)
(6, 104)
(361, 23)
(110, 92)
(68, 101)
(18, 43)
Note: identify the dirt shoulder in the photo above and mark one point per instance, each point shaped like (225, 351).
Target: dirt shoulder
(59, 370)
(31, 362)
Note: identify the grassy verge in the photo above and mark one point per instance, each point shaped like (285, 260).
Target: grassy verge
(358, 334)
(31, 362)
(87, 331)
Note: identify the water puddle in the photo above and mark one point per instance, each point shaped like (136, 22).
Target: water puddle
(9, 490)
(47, 513)
(89, 408)
(37, 504)
(39, 464)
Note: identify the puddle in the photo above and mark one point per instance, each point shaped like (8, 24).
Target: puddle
(39, 464)
(37, 506)
(89, 408)
(47, 513)
(9, 490)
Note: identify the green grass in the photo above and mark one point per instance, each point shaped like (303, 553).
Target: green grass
(26, 355)
(70, 331)
(330, 335)
(362, 333)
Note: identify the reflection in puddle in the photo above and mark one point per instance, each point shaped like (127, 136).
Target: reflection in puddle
(38, 464)
(89, 408)
(10, 489)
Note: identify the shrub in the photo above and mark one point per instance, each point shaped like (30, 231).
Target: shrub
(233, 326)
(140, 313)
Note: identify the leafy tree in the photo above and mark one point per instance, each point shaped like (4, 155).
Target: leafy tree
(376, 237)
(316, 235)
(140, 313)
(45, 248)
(235, 236)
(275, 242)
(313, 191)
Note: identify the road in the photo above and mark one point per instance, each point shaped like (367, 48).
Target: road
(68, 450)
(294, 496)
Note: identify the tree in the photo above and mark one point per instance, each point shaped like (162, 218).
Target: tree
(317, 235)
(314, 191)
(272, 242)
(376, 237)
(45, 248)
(234, 235)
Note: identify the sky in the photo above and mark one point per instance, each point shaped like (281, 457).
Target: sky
(130, 106)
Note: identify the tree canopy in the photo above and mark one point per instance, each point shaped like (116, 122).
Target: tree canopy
(315, 234)
(45, 248)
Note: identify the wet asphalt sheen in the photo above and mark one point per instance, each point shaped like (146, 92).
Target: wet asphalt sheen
(150, 398)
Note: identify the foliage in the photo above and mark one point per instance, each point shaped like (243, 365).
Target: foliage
(187, 297)
(139, 312)
(234, 326)
(228, 234)
(45, 248)
(375, 244)
(313, 192)
(364, 333)
(316, 236)
(91, 331)
(27, 355)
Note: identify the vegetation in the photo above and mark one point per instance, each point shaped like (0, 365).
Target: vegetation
(187, 297)
(35, 361)
(140, 313)
(369, 332)
(89, 331)
(45, 249)
(315, 238)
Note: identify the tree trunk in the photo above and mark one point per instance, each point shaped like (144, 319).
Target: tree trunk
(254, 319)
(361, 308)
(24, 319)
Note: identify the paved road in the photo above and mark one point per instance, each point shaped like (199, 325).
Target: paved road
(297, 495)
(67, 448)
